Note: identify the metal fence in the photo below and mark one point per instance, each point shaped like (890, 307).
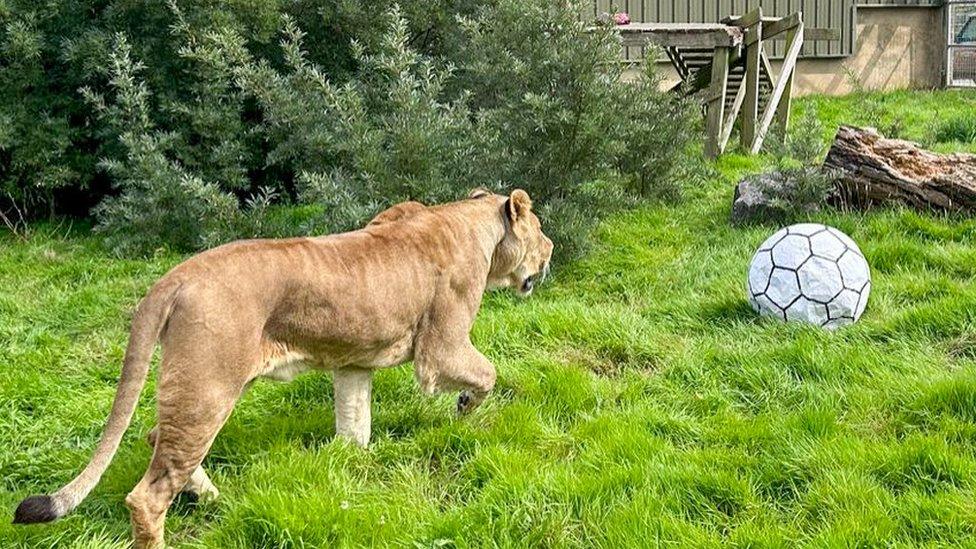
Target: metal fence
(961, 44)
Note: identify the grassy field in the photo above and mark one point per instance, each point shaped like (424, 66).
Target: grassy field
(639, 402)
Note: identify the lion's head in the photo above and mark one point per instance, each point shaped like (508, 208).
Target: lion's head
(522, 257)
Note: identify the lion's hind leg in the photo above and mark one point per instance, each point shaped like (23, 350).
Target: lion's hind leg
(197, 391)
(199, 484)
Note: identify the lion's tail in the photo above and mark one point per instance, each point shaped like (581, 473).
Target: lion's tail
(147, 324)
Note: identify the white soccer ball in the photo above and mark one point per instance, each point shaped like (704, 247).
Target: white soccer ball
(811, 273)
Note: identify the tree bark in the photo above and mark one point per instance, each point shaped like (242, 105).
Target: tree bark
(874, 170)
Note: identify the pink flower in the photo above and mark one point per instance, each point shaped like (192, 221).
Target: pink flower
(621, 18)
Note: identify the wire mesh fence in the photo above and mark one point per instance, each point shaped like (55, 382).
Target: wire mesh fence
(961, 40)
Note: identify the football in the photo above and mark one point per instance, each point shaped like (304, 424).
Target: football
(810, 273)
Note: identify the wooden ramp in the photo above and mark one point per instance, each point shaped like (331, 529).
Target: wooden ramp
(728, 63)
(696, 74)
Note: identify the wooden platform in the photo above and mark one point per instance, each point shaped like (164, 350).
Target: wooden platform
(692, 35)
(727, 61)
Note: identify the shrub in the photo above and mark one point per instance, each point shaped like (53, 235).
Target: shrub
(535, 101)
(160, 203)
(386, 136)
(42, 147)
(800, 184)
(560, 121)
(803, 145)
(368, 110)
(209, 113)
(50, 142)
(807, 188)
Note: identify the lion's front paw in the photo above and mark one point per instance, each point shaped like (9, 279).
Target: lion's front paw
(465, 403)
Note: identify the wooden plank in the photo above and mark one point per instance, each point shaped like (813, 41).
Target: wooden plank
(733, 112)
(772, 107)
(750, 106)
(716, 101)
(781, 25)
(812, 34)
(747, 20)
(766, 69)
(786, 103)
(685, 35)
(680, 39)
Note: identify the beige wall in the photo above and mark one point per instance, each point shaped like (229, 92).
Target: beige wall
(896, 48)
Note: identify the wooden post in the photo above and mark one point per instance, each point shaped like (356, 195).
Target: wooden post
(716, 102)
(786, 104)
(750, 106)
(777, 99)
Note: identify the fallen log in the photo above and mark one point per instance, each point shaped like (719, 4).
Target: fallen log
(872, 170)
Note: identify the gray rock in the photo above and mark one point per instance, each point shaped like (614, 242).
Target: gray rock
(780, 195)
(757, 198)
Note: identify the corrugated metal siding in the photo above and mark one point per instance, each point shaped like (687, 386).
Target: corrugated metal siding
(896, 3)
(832, 14)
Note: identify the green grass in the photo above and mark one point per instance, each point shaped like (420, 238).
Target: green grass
(639, 402)
(940, 120)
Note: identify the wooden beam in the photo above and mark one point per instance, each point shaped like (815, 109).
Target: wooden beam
(815, 33)
(731, 115)
(786, 104)
(715, 102)
(747, 20)
(781, 25)
(737, 19)
(682, 35)
(785, 77)
(750, 106)
(766, 67)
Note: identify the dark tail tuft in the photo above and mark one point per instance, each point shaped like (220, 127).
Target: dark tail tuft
(35, 509)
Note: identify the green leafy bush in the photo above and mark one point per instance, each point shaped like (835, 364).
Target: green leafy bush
(802, 184)
(386, 136)
(159, 203)
(535, 101)
(802, 145)
(43, 148)
(229, 122)
(558, 120)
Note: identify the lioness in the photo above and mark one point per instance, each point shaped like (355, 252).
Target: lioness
(406, 287)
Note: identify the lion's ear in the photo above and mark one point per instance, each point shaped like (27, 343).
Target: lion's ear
(479, 192)
(518, 205)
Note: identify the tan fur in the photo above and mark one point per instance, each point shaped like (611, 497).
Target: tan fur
(406, 287)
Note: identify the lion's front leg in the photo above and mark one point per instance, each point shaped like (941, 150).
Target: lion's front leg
(469, 400)
(444, 358)
(477, 379)
(448, 367)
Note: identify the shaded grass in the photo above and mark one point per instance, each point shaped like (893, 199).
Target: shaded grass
(639, 402)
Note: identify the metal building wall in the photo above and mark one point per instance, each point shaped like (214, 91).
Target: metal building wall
(830, 14)
(896, 3)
